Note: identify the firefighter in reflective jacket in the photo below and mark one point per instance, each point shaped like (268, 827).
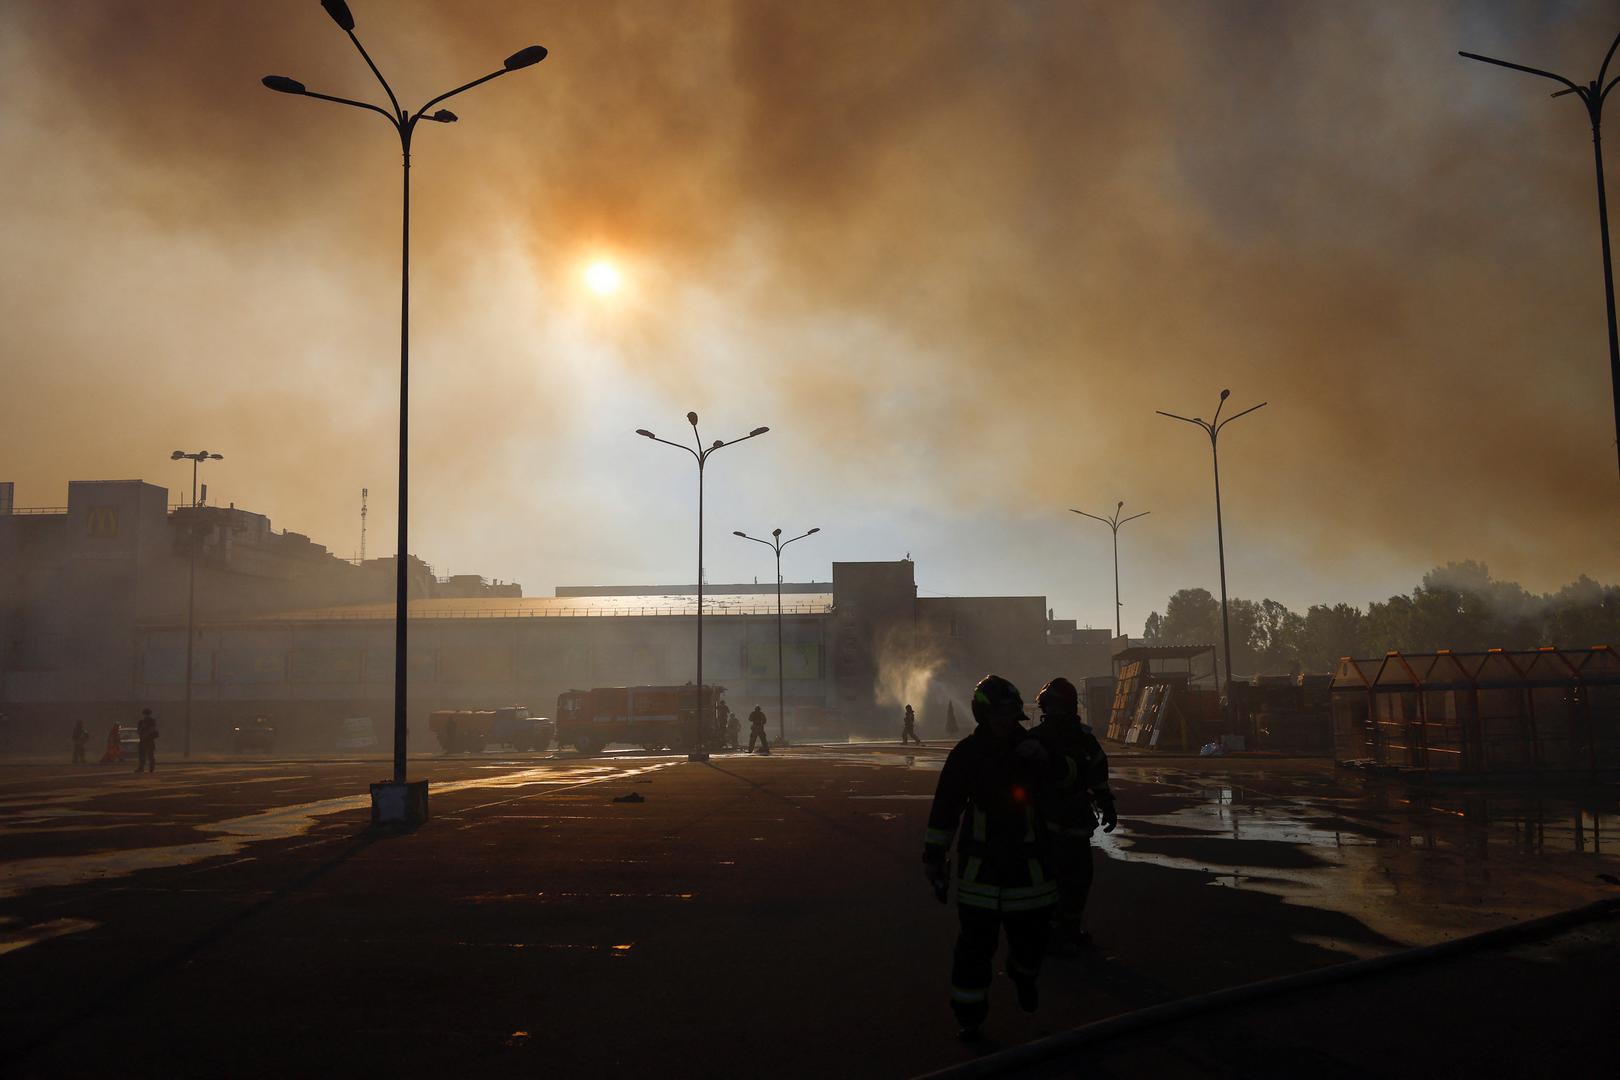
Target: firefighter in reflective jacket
(1072, 813)
(988, 799)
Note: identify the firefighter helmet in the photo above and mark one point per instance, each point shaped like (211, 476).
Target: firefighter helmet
(995, 697)
(1058, 698)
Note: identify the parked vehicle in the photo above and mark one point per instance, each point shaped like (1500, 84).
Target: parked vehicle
(256, 734)
(652, 717)
(471, 730)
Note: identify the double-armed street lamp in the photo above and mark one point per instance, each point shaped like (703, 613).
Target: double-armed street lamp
(1592, 95)
(1114, 523)
(396, 803)
(701, 455)
(193, 539)
(776, 543)
(196, 459)
(1212, 428)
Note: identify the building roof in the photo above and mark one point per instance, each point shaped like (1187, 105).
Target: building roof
(1163, 652)
(530, 607)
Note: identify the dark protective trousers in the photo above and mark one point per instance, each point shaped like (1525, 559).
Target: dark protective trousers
(78, 753)
(148, 758)
(909, 732)
(759, 735)
(976, 948)
(1074, 871)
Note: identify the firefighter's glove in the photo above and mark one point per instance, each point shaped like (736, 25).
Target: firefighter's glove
(938, 872)
(1109, 817)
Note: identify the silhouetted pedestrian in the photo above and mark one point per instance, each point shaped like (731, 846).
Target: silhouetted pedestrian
(146, 730)
(114, 753)
(81, 739)
(950, 718)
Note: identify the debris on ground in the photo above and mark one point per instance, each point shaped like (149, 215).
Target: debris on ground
(634, 796)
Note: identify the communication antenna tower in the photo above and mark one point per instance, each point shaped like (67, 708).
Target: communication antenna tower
(363, 493)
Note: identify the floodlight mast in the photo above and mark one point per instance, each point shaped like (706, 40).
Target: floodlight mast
(698, 751)
(1592, 95)
(404, 124)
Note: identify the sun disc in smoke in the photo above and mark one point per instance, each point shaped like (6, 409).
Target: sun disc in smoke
(603, 278)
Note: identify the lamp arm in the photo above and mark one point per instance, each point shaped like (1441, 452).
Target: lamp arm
(1245, 412)
(757, 540)
(380, 111)
(1602, 71)
(677, 446)
(1133, 517)
(801, 536)
(452, 93)
(1520, 67)
(1183, 419)
(1093, 517)
(399, 114)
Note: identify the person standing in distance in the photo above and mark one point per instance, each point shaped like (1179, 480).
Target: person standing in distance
(1073, 813)
(989, 800)
(146, 730)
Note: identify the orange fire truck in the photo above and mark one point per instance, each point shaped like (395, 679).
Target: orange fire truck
(652, 717)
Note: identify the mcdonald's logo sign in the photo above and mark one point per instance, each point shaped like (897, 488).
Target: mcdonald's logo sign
(102, 523)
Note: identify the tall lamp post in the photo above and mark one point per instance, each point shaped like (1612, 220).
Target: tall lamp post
(1213, 429)
(193, 538)
(776, 543)
(1592, 95)
(1114, 523)
(701, 454)
(398, 802)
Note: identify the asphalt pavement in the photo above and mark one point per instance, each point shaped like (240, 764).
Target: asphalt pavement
(744, 917)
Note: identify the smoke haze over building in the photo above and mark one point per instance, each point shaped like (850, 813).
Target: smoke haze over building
(954, 256)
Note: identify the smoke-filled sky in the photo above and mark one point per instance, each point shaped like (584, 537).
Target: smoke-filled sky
(954, 255)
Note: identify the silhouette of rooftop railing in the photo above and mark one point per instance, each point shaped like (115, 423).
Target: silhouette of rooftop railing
(548, 612)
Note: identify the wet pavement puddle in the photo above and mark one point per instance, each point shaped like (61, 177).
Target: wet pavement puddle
(278, 823)
(14, 938)
(1413, 867)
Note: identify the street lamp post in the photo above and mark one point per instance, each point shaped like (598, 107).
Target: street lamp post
(193, 539)
(776, 543)
(1114, 523)
(1213, 429)
(1592, 95)
(701, 454)
(397, 803)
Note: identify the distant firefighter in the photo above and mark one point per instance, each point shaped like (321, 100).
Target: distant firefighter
(909, 731)
(989, 800)
(81, 739)
(147, 731)
(950, 718)
(724, 727)
(756, 731)
(1071, 817)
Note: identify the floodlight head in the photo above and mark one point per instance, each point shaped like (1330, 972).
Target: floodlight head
(444, 116)
(744, 535)
(216, 457)
(525, 57)
(776, 532)
(177, 455)
(283, 85)
(758, 431)
(813, 531)
(340, 13)
(645, 434)
(718, 443)
(1225, 394)
(1121, 505)
(691, 418)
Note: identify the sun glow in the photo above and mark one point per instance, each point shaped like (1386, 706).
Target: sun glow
(603, 278)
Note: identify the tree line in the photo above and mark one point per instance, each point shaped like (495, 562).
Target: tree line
(1458, 606)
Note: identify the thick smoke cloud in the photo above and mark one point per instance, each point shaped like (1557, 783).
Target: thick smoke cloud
(963, 251)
